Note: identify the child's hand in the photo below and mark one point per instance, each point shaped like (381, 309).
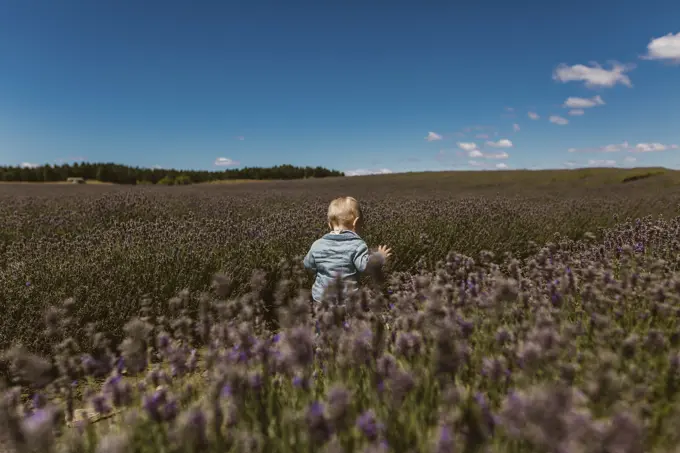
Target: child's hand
(384, 251)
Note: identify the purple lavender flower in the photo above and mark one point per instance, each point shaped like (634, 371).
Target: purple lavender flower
(317, 425)
(369, 426)
(444, 442)
(255, 381)
(100, 405)
(154, 404)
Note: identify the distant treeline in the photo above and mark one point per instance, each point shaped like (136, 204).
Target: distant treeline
(122, 174)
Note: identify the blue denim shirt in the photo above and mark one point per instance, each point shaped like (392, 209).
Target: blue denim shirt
(342, 252)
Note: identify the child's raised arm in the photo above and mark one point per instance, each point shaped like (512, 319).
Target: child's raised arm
(361, 256)
(385, 252)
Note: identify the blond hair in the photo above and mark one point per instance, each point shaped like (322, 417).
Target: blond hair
(343, 211)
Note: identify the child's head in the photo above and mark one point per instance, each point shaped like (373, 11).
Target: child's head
(344, 213)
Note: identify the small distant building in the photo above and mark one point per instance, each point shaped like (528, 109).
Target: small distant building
(76, 180)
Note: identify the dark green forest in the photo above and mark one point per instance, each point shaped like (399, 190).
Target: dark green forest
(123, 174)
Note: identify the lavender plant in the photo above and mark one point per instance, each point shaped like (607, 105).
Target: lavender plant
(570, 346)
(573, 349)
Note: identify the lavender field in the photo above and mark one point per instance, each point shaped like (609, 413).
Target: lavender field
(522, 312)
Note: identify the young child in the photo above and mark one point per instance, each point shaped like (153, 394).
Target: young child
(342, 251)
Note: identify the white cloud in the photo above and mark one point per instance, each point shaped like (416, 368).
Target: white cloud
(482, 136)
(499, 155)
(576, 112)
(630, 159)
(583, 103)
(467, 146)
(240, 137)
(475, 153)
(664, 48)
(612, 148)
(570, 164)
(602, 163)
(594, 76)
(625, 146)
(533, 116)
(503, 143)
(650, 147)
(558, 120)
(509, 109)
(364, 172)
(487, 165)
(615, 147)
(225, 162)
(515, 127)
(156, 167)
(432, 136)
(28, 165)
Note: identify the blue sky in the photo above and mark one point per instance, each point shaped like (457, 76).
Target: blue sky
(396, 86)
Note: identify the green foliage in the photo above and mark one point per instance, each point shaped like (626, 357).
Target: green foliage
(121, 174)
(641, 175)
(183, 180)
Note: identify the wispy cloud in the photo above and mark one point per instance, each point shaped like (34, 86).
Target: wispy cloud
(630, 159)
(472, 151)
(515, 127)
(558, 120)
(240, 137)
(487, 165)
(611, 148)
(482, 136)
(498, 155)
(365, 172)
(509, 109)
(583, 103)
(28, 165)
(664, 48)
(533, 115)
(225, 162)
(481, 131)
(467, 146)
(576, 112)
(625, 146)
(651, 147)
(615, 147)
(594, 76)
(477, 154)
(601, 163)
(503, 143)
(432, 136)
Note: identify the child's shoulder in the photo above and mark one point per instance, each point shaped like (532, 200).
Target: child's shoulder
(319, 243)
